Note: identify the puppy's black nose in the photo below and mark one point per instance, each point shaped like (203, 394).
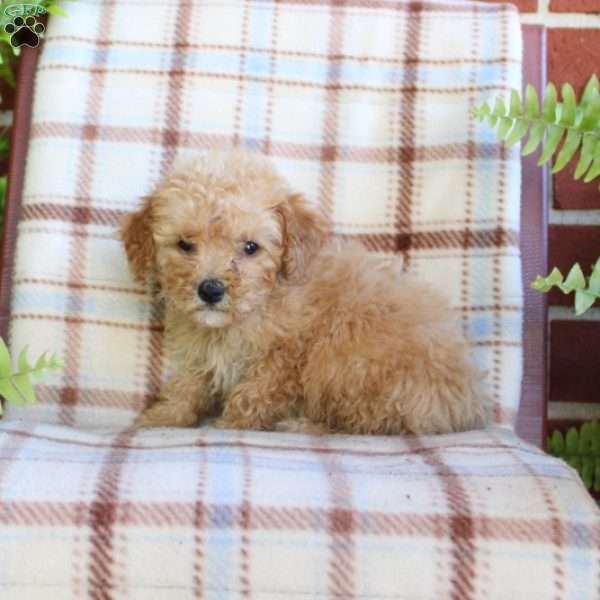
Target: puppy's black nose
(211, 291)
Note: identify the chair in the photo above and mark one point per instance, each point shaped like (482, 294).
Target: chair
(351, 100)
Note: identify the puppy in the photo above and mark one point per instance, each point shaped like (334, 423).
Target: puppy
(271, 325)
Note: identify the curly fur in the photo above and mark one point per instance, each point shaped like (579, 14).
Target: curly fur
(311, 335)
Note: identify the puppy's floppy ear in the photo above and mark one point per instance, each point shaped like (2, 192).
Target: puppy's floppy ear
(304, 233)
(136, 233)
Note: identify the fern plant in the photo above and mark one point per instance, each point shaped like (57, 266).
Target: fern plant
(564, 128)
(16, 386)
(581, 449)
(575, 124)
(587, 289)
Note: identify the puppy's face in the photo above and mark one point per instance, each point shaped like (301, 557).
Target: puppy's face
(218, 252)
(219, 235)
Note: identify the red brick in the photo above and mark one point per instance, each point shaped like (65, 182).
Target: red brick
(580, 6)
(568, 63)
(573, 366)
(569, 244)
(575, 195)
(525, 6)
(573, 55)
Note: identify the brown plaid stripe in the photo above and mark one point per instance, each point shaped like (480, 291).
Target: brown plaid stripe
(182, 514)
(283, 150)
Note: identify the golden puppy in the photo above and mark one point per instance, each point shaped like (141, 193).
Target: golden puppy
(276, 327)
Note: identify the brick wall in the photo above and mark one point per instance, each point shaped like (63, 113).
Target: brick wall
(573, 55)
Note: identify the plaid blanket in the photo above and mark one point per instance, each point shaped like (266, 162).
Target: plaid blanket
(363, 105)
(209, 514)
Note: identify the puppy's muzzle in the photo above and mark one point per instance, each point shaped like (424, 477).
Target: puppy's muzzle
(211, 291)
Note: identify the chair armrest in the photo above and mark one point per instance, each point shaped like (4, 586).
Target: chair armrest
(531, 420)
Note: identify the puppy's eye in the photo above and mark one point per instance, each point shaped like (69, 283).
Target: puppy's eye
(251, 248)
(185, 246)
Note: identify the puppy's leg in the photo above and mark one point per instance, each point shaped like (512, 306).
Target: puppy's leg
(262, 400)
(182, 403)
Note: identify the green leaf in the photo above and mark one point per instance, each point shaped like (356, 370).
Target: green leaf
(516, 109)
(56, 363)
(535, 137)
(569, 106)
(5, 362)
(41, 364)
(499, 108)
(594, 170)
(591, 90)
(555, 277)
(482, 112)
(24, 386)
(557, 443)
(539, 284)
(505, 126)
(596, 438)
(583, 301)
(575, 280)
(594, 282)
(591, 115)
(518, 132)
(8, 392)
(568, 150)
(555, 134)
(532, 104)
(586, 439)
(22, 362)
(587, 155)
(18, 387)
(571, 441)
(549, 104)
(544, 284)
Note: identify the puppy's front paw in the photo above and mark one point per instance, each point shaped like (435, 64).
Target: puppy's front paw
(166, 414)
(143, 421)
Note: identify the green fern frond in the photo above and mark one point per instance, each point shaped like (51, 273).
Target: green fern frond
(587, 290)
(16, 385)
(580, 449)
(563, 128)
